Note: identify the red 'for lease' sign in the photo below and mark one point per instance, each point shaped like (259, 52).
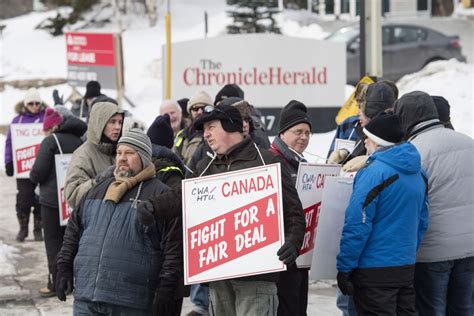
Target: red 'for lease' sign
(90, 49)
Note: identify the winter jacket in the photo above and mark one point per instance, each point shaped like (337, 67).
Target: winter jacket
(23, 117)
(292, 160)
(93, 156)
(44, 169)
(186, 142)
(447, 158)
(245, 155)
(387, 213)
(115, 259)
(345, 130)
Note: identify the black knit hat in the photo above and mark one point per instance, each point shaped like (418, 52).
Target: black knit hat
(443, 108)
(227, 91)
(384, 129)
(413, 108)
(229, 116)
(161, 132)
(379, 97)
(183, 104)
(92, 89)
(293, 113)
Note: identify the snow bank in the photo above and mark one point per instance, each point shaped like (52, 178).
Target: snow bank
(8, 256)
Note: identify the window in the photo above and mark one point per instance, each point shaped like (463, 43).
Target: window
(408, 34)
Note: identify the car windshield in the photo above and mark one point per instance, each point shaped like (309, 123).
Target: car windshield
(344, 35)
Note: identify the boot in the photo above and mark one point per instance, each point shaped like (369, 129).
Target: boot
(37, 228)
(23, 233)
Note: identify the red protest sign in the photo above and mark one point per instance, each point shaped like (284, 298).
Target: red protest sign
(311, 214)
(26, 141)
(90, 49)
(233, 224)
(25, 158)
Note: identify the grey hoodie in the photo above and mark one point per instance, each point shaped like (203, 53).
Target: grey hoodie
(93, 156)
(447, 158)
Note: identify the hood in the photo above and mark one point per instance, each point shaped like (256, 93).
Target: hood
(413, 108)
(72, 125)
(20, 108)
(162, 152)
(100, 114)
(404, 158)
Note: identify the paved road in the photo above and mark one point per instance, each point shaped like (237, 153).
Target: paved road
(19, 293)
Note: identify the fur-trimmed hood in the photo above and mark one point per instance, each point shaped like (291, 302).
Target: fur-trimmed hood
(20, 107)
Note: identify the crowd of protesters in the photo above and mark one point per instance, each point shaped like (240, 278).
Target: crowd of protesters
(407, 241)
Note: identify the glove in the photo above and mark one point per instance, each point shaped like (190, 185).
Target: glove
(9, 169)
(355, 164)
(57, 99)
(64, 283)
(287, 253)
(338, 156)
(107, 173)
(164, 306)
(146, 213)
(344, 283)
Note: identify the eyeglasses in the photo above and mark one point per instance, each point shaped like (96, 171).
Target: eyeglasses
(196, 108)
(33, 103)
(301, 132)
(211, 108)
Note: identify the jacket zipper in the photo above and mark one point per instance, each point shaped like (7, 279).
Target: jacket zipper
(364, 216)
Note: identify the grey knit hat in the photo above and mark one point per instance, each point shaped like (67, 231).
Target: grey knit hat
(138, 140)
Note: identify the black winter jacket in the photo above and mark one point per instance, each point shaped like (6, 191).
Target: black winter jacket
(44, 169)
(117, 260)
(245, 155)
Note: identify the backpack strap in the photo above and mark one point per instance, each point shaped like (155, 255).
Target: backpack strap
(376, 191)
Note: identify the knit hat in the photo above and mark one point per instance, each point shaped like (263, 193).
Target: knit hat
(51, 119)
(199, 97)
(32, 95)
(292, 114)
(379, 97)
(161, 132)
(229, 116)
(138, 140)
(227, 91)
(443, 108)
(384, 129)
(413, 108)
(92, 89)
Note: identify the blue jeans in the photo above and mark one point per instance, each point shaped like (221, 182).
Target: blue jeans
(444, 287)
(345, 303)
(199, 296)
(83, 308)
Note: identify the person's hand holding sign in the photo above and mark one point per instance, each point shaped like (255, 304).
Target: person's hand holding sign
(287, 253)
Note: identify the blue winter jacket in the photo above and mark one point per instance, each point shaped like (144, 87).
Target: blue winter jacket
(387, 231)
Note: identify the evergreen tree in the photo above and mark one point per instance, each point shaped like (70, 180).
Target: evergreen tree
(253, 16)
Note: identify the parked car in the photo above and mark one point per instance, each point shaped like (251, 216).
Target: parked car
(406, 49)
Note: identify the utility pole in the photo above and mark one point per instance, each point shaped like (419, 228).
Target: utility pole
(371, 38)
(168, 53)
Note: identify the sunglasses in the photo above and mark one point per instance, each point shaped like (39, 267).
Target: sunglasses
(196, 108)
(33, 103)
(211, 108)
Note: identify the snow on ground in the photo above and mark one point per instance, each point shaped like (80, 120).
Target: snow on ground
(8, 256)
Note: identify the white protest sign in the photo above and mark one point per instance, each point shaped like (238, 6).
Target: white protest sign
(347, 144)
(232, 224)
(26, 141)
(310, 185)
(336, 196)
(62, 163)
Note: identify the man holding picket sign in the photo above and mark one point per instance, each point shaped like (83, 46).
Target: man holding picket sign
(255, 294)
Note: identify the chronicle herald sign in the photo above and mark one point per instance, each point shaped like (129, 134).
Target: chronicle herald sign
(271, 69)
(310, 186)
(26, 141)
(94, 56)
(233, 224)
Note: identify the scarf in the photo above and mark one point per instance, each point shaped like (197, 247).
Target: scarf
(120, 186)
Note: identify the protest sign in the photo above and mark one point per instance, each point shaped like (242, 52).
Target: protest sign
(347, 144)
(336, 196)
(310, 185)
(233, 224)
(62, 163)
(26, 141)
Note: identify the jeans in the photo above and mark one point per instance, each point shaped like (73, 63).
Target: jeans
(199, 296)
(83, 308)
(444, 287)
(345, 303)
(249, 298)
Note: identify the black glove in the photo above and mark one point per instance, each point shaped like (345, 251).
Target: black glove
(57, 99)
(287, 253)
(146, 213)
(164, 307)
(344, 283)
(9, 169)
(64, 283)
(107, 173)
